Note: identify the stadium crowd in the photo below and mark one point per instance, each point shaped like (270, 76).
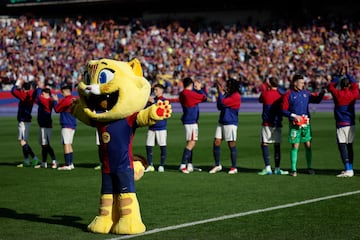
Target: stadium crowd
(55, 51)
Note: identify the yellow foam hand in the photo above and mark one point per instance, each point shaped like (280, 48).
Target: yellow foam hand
(77, 109)
(91, 114)
(159, 111)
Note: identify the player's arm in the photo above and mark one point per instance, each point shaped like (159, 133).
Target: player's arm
(317, 97)
(285, 106)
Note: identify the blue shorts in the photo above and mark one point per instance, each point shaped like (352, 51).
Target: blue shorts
(119, 182)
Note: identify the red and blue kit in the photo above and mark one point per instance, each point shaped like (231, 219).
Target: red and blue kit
(271, 100)
(116, 139)
(189, 100)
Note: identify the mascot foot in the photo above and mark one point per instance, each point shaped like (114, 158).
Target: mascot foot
(100, 224)
(103, 222)
(130, 221)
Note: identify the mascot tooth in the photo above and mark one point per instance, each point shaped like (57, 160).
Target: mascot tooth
(112, 97)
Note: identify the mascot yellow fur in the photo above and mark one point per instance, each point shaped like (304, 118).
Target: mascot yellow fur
(112, 98)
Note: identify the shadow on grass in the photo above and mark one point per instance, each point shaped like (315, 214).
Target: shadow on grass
(9, 164)
(207, 168)
(70, 221)
(80, 165)
(86, 165)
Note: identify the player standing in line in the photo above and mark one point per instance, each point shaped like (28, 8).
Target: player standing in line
(344, 112)
(189, 99)
(228, 103)
(295, 106)
(68, 124)
(45, 106)
(156, 132)
(271, 129)
(23, 92)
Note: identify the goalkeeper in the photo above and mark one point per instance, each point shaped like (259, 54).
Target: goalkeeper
(295, 106)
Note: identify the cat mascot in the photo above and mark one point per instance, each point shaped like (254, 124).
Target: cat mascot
(112, 98)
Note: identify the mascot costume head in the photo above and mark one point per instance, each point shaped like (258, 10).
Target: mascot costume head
(112, 98)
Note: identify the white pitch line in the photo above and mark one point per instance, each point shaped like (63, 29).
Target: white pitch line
(190, 224)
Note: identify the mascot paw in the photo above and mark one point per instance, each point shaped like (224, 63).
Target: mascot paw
(128, 226)
(130, 221)
(90, 114)
(100, 224)
(162, 110)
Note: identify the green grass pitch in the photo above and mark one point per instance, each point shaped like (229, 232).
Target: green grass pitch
(50, 204)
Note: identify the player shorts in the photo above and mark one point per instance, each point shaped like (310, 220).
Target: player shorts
(299, 135)
(345, 134)
(67, 135)
(159, 135)
(226, 132)
(118, 182)
(191, 132)
(23, 130)
(45, 136)
(270, 134)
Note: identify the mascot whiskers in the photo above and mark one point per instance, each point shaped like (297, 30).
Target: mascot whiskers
(112, 98)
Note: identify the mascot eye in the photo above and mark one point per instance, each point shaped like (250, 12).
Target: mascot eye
(106, 76)
(87, 78)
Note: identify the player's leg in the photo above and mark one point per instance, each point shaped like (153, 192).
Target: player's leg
(161, 138)
(44, 147)
(294, 140)
(265, 138)
(29, 149)
(50, 149)
(191, 135)
(345, 137)
(67, 135)
(22, 137)
(230, 135)
(150, 143)
(351, 137)
(306, 139)
(216, 148)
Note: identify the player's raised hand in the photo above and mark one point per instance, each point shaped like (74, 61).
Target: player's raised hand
(197, 85)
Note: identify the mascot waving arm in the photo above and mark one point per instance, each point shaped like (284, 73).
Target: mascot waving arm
(112, 97)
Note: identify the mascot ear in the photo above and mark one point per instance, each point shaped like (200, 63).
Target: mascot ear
(136, 66)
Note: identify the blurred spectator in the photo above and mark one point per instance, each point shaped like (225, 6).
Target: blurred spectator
(52, 50)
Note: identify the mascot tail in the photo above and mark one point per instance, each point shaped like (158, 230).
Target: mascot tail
(130, 219)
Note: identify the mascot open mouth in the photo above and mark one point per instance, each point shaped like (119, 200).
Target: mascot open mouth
(101, 103)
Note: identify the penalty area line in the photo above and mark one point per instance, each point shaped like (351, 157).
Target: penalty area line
(191, 224)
